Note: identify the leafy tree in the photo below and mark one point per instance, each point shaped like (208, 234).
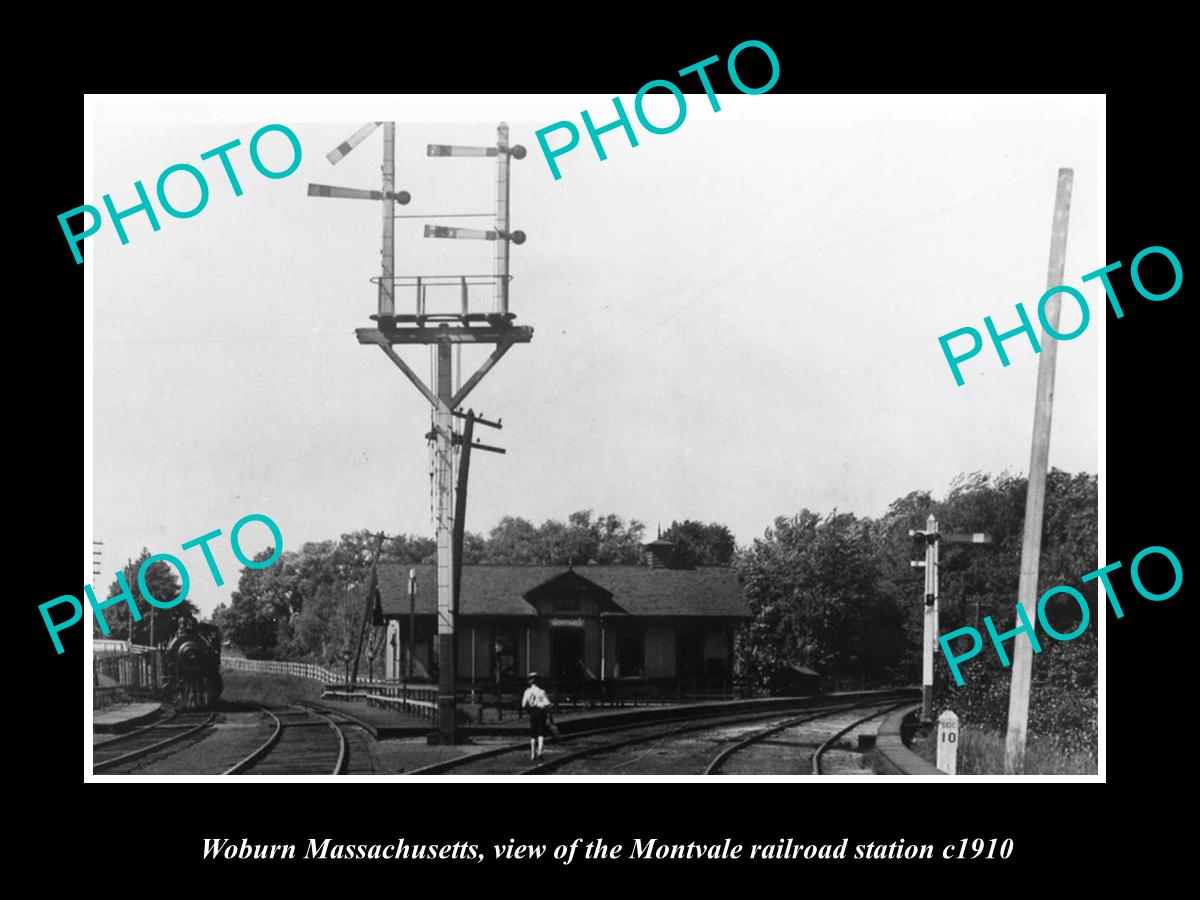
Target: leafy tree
(263, 603)
(164, 585)
(838, 593)
(893, 549)
(580, 540)
(514, 541)
(299, 607)
(811, 583)
(616, 542)
(697, 544)
(978, 582)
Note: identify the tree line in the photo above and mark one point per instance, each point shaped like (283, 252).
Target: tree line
(308, 605)
(837, 593)
(833, 592)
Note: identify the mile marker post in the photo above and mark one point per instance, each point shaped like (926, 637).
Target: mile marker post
(947, 742)
(1035, 499)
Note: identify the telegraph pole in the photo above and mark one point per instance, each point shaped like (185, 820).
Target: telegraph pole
(932, 538)
(1035, 500)
(368, 606)
(442, 329)
(412, 619)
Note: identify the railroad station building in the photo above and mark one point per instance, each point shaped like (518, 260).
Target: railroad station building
(659, 620)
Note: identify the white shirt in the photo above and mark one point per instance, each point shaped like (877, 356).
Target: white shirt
(535, 696)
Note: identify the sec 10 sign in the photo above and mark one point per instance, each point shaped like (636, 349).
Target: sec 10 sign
(947, 743)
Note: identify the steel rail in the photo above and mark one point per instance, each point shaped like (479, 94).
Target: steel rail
(143, 751)
(559, 761)
(268, 745)
(816, 758)
(721, 758)
(469, 758)
(128, 734)
(262, 750)
(448, 765)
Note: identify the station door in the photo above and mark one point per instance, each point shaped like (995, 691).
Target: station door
(566, 655)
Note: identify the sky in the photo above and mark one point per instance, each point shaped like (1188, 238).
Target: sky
(732, 322)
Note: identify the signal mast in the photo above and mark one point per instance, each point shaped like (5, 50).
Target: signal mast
(442, 329)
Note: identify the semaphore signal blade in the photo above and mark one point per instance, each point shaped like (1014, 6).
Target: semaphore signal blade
(444, 231)
(971, 538)
(335, 155)
(452, 150)
(328, 190)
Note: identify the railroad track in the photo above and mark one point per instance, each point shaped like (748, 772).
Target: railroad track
(651, 739)
(797, 734)
(820, 751)
(170, 731)
(303, 741)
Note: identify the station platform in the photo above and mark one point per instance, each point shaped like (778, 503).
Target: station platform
(382, 723)
(124, 717)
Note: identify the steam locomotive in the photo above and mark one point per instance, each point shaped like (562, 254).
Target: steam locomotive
(193, 666)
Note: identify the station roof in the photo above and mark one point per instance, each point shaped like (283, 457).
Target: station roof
(493, 590)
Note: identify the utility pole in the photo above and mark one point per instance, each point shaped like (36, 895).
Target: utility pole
(932, 538)
(368, 606)
(460, 509)
(1035, 500)
(412, 618)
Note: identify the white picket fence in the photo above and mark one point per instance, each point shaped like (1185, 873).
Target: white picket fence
(281, 667)
(414, 699)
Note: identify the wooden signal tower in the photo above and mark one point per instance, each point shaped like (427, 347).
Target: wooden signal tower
(442, 328)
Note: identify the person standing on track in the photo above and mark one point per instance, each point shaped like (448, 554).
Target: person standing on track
(536, 701)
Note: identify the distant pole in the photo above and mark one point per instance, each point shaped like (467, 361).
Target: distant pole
(460, 506)
(1031, 544)
(412, 618)
(372, 582)
(930, 632)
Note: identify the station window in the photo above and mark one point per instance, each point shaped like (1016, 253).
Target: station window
(504, 655)
(631, 655)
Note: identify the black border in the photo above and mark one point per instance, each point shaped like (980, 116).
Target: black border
(1147, 439)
